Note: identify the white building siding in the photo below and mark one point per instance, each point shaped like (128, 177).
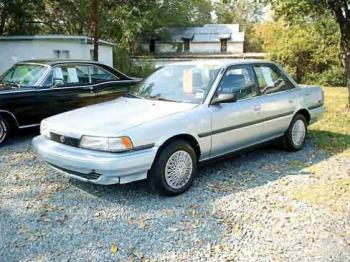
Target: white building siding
(205, 47)
(14, 51)
(235, 47)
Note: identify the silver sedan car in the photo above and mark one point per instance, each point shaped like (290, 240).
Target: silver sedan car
(181, 115)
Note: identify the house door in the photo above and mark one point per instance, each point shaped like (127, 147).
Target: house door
(223, 45)
(186, 45)
(152, 46)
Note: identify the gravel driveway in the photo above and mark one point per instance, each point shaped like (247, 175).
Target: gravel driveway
(267, 205)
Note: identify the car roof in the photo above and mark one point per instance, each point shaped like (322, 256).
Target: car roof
(52, 62)
(222, 62)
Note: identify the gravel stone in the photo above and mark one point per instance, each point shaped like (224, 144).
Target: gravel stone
(238, 209)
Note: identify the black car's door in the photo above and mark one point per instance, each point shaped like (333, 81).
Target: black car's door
(107, 85)
(22, 105)
(67, 87)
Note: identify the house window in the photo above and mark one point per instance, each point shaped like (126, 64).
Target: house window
(187, 45)
(223, 43)
(61, 54)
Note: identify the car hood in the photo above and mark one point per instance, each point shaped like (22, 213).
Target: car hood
(110, 118)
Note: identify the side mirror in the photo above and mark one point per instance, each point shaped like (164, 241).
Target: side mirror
(224, 98)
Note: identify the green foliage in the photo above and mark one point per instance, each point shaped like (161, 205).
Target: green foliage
(19, 16)
(239, 11)
(304, 49)
(124, 63)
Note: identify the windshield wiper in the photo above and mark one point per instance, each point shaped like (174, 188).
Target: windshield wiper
(132, 95)
(161, 99)
(14, 83)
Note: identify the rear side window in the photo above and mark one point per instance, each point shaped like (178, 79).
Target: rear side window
(271, 80)
(99, 75)
(71, 75)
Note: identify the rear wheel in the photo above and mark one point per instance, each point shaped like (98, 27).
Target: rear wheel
(4, 130)
(294, 139)
(174, 169)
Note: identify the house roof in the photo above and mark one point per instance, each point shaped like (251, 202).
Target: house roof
(207, 33)
(83, 39)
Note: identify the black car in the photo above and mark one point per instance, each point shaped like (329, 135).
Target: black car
(33, 90)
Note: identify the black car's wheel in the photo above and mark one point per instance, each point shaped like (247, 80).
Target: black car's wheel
(174, 169)
(4, 130)
(294, 138)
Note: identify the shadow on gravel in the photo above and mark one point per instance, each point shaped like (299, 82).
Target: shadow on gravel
(217, 179)
(22, 137)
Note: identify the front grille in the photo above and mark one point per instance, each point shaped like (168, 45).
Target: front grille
(90, 176)
(69, 141)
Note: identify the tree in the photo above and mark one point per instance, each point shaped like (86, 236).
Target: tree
(310, 52)
(240, 12)
(19, 16)
(312, 9)
(95, 19)
(243, 12)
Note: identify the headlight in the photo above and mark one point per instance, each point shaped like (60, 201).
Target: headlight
(110, 144)
(44, 129)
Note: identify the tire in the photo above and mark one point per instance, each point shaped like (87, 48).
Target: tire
(296, 142)
(160, 177)
(5, 130)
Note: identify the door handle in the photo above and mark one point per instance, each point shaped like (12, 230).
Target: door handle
(257, 108)
(291, 101)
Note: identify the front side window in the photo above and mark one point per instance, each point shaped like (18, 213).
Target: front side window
(187, 83)
(239, 80)
(99, 75)
(271, 80)
(23, 75)
(70, 75)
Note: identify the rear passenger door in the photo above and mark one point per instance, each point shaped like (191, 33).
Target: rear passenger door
(107, 85)
(278, 99)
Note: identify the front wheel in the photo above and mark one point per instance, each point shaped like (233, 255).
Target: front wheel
(294, 138)
(4, 130)
(174, 169)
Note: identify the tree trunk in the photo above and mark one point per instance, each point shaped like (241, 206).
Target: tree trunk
(95, 26)
(341, 12)
(345, 46)
(347, 69)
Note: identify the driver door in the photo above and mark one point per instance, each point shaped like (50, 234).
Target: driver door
(238, 124)
(68, 87)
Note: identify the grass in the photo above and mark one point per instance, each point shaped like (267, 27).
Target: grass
(332, 132)
(332, 194)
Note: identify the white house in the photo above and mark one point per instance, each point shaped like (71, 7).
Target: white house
(210, 38)
(19, 48)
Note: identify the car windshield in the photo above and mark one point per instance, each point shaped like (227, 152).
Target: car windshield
(187, 83)
(23, 75)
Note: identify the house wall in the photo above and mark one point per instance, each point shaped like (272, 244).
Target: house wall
(161, 47)
(205, 47)
(195, 47)
(15, 51)
(235, 47)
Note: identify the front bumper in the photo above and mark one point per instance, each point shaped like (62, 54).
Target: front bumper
(92, 166)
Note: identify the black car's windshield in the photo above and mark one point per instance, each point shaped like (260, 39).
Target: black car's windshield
(23, 75)
(188, 83)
